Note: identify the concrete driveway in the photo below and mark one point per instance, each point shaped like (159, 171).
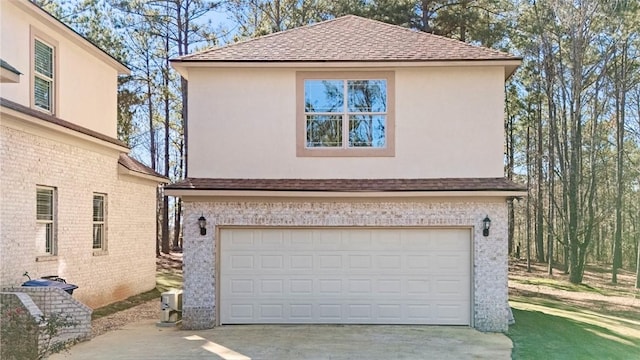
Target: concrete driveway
(282, 342)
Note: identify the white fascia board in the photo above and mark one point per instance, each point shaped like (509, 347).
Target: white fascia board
(193, 193)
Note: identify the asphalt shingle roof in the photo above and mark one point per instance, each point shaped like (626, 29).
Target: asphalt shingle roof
(136, 166)
(350, 185)
(348, 38)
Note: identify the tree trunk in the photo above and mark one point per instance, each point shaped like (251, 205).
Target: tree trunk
(528, 200)
(620, 102)
(578, 254)
(539, 179)
(166, 245)
(638, 263)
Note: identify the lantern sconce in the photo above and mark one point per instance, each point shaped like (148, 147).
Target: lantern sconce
(202, 222)
(486, 225)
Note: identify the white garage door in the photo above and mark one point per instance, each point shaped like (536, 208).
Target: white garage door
(347, 276)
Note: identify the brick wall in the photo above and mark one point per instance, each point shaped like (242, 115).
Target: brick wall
(77, 168)
(490, 291)
(56, 301)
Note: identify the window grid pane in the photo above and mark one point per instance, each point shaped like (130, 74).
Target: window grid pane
(367, 131)
(44, 199)
(98, 208)
(367, 96)
(42, 93)
(98, 231)
(324, 96)
(49, 238)
(324, 131)
(43, 61)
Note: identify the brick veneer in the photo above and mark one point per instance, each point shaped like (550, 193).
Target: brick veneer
(77, 168)
(56, 301)
(489, 293)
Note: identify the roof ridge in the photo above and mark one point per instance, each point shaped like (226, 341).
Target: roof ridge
(266, 36)
(419, 32)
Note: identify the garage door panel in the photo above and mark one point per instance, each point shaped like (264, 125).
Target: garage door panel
(242, 262)
(357, 240)
(330, 262)
(271, 238)
(271, 262)
(389, 262)
(359, 261)
(329, 239)
(391, 287)
(302, 239)
(360, 278)
(421, 262)
(301, 262)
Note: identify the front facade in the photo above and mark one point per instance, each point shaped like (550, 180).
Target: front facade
(74, 204)
(344, 170)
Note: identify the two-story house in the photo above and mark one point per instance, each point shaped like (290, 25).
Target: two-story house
(73, 203)
(347, 172)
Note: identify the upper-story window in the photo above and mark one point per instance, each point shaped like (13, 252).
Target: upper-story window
(345, 114)
(44, 74)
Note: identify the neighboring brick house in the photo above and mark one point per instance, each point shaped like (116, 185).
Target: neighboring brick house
(73, 203)
(344, 171)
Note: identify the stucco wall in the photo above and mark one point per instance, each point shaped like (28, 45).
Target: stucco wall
(86, 86)
(490, 292)
(449, 123)
(77, 169)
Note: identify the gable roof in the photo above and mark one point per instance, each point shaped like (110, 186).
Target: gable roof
(348, 39)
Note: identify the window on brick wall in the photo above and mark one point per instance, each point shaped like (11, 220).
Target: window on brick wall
(46, 220)
(99, 221)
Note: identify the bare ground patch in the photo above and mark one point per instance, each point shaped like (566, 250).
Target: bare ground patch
(169, 270)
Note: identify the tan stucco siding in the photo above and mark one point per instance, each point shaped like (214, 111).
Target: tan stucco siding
(77, 169)
(449, 123)
(86, 87)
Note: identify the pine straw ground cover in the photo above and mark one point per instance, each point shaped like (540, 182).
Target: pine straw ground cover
(559, 320)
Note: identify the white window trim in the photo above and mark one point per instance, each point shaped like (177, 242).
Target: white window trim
(345, 151)
(54, 219)
(103, 245)
(48, 41)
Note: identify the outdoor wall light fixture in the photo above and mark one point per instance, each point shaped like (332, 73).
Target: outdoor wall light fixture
(486, 225)
(202, 222)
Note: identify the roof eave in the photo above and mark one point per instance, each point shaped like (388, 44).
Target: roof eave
(31, 116)
(182, 65)
(157, 179)
(208, 193)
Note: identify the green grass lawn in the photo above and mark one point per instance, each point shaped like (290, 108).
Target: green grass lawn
(551, 328)
(538, 335)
